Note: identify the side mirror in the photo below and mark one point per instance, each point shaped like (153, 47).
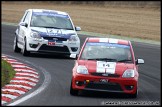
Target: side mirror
(23, 24)
(77, 28)
(139, 61)
(75, 56)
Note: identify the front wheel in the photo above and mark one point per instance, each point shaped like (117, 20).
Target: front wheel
(15, 47)
(134, 95)
(24, 51)
(72, 91)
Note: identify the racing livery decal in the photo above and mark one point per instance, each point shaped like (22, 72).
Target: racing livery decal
(106, 67)
(54, 33)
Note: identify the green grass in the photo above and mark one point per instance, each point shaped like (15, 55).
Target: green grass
(7, 73)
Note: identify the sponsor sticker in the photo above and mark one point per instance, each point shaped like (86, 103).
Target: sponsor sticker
(51, 43)
(109, 45)
(55, 43)
(53, 32)
(50, 14)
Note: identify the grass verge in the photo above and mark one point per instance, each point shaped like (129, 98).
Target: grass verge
(7, 73)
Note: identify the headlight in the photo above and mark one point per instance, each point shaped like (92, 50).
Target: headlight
(73, 38)
(128, 73)
(82, 70)
(35, 35)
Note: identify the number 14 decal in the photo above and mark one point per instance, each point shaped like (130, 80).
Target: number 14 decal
(106, 67)
(106, 64)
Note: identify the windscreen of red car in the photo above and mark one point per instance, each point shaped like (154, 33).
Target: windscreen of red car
(107, 51)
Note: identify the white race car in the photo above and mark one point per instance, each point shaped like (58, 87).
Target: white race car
(50, 31)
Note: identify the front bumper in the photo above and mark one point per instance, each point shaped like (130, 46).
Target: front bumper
(60, 46)
(113, 84)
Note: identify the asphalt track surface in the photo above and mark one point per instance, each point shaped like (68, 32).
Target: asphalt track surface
(57, 92)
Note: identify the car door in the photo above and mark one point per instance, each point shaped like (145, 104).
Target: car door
(24, 27)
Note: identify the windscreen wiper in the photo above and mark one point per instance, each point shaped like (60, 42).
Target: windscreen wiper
(103, 59)
(48, 27)
(67, 28)
(54, 27)
(51, 27)
(125, 60)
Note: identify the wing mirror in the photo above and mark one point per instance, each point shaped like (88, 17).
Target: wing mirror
(139, 61)
(77, 28)
(24, 24)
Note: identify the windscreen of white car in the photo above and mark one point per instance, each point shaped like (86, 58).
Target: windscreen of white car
(107, 52)
(51, 20)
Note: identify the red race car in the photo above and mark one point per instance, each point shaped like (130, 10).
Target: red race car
(106, 64)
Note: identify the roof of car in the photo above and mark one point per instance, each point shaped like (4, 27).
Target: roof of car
(41, 10)
(109, 40)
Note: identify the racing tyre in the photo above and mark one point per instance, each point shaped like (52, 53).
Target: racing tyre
(24, 51)
(72, 91)
(134, 95)
(15, 47)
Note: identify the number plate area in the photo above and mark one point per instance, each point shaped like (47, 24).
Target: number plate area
(55, 43)
(51, 43)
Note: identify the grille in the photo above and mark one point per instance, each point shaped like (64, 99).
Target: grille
(63, 49)
(52, 38)
(104, 86)
(106, 75)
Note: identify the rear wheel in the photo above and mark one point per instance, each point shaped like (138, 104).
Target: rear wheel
(24, 51)
(73, 91)
(15, 47)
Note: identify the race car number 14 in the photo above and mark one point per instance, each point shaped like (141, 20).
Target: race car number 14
(106, 67)
(105, 64)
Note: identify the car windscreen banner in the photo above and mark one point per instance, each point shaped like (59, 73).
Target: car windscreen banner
(49, 14)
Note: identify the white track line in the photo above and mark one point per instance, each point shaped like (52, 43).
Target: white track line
(26, 70)
(13, 90)
(3, 56)
(20, 86)
(44, 85)
(9, 96)
(19, 66)
(3, 102)
(27, 74)
(22, 67)
(15, 62)
(8, 59)
(24, 81)
(29, 78)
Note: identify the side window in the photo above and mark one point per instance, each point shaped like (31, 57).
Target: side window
(26, 18)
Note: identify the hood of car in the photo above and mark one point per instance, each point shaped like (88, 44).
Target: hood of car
(105, 67)
(51, 32)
